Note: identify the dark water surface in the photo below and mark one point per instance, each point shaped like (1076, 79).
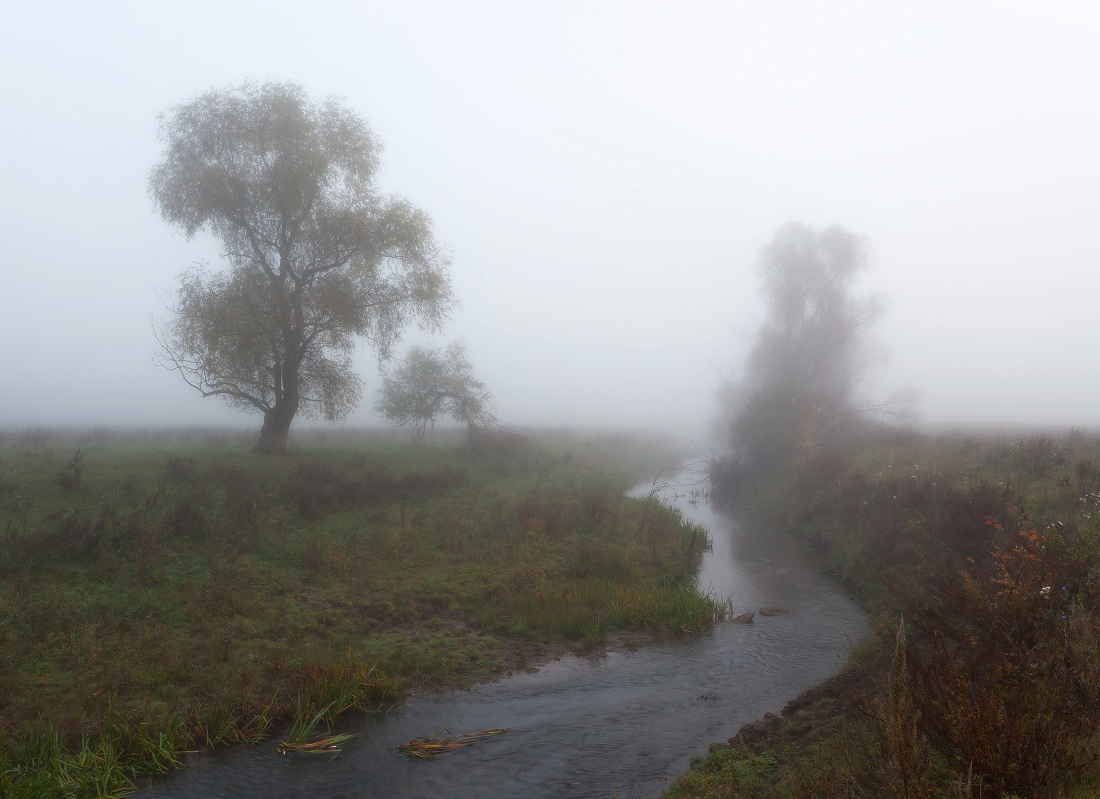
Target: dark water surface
(584, 727)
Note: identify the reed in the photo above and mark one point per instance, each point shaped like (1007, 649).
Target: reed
(301, 739)
(437, 744)
(103, 766)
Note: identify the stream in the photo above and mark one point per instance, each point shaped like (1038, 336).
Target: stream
(625, 724)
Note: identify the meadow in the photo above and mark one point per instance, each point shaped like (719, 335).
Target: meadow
(979, 558)
(169, 591)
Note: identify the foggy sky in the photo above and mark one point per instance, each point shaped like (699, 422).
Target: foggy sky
(604, 175)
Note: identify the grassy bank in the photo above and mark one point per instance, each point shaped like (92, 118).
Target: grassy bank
(979, 558)
(163, 595)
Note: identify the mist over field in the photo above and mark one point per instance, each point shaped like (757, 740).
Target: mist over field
(604, 177)
(685, 398)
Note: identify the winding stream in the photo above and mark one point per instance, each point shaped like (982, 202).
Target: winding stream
(585, 727)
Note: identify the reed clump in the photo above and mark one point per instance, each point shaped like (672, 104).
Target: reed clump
(658, 606)
(301, 740)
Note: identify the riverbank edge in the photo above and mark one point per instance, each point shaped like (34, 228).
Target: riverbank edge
(980, 674)
(527, 656)
(135, 757)
(127, 755)
(760, 745)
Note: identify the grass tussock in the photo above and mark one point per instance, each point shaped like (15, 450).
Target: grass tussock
(981, 559)
(188, 594)
(301, 739)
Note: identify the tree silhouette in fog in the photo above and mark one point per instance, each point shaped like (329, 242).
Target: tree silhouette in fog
(317, 258)
(810, 353)
(430, 384)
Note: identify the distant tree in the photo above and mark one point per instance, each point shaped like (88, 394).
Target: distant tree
(811, 353)
(814, 333)
(430, 384)
(317, 257)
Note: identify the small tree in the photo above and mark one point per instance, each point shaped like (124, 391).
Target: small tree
(430, 384)
(317, 257)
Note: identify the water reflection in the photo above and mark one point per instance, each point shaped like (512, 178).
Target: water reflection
(584, 727)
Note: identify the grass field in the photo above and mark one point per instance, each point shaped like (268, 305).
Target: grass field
(163, 593)
(979, 558)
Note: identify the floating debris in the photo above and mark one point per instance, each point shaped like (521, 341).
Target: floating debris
(438, 744)
(317, 745)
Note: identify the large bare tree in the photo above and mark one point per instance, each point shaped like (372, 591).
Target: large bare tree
(317, 258)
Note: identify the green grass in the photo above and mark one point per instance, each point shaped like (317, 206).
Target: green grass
(184, 587)
(724, 770)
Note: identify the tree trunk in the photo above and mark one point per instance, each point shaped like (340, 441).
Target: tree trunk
(274, 433)
(473, 434)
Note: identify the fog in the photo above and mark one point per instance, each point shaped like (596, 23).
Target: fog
(604, 176)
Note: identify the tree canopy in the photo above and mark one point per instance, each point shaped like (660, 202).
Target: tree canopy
(430, 384)
(813, 338)
(317, 258)
(810, 353)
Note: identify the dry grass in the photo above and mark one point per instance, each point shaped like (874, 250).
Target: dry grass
(991, 551)
(438, 744)
(322, 744)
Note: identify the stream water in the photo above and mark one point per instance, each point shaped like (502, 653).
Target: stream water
(626, 723)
